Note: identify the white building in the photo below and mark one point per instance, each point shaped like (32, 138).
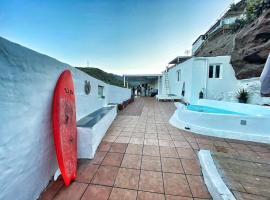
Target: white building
(213, 76)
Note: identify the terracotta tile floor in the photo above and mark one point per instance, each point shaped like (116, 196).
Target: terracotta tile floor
(143, 157)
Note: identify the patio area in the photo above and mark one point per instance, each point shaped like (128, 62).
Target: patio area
(143, 157)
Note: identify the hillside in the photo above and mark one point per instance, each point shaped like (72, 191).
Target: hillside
(247, 41)
(99, 74)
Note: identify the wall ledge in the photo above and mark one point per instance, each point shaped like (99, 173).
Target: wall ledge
(212, 179)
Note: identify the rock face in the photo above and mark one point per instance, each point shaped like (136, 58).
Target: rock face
(252, 47)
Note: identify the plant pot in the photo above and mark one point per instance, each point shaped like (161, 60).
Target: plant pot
(243, 100)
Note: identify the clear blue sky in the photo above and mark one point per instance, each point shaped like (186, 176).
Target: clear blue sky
(120, 36)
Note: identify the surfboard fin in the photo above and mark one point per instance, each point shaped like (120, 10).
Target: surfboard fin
(56, 174)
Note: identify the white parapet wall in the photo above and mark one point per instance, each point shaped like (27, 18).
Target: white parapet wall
(27, 81)
(212, 179)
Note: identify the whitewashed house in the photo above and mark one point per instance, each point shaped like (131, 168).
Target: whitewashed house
(208, 76)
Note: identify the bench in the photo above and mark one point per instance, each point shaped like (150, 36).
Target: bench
(92, 128)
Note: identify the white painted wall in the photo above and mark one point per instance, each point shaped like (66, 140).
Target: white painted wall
(27, 81)
(227, 82)
(117, 94)
(194, 73)
(186, 77)
(252, 85)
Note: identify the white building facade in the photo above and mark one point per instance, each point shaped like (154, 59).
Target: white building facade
(212, 76)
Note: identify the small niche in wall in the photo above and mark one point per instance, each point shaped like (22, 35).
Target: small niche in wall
(101, 92)
(87, 87)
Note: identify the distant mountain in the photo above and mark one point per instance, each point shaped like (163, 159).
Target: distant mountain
(99, 74)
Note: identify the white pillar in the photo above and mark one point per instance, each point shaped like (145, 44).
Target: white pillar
(124, 81)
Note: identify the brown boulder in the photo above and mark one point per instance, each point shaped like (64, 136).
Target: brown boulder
(251, 48)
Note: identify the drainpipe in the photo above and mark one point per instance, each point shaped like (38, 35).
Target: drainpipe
(206, 77)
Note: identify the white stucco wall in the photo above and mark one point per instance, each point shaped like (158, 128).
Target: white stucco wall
(219, 86)
(27, 81)
(194, 73)
(186, 77)
(253, 86)
(117, 94)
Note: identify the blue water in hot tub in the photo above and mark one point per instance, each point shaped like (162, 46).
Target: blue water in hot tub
(207, 109)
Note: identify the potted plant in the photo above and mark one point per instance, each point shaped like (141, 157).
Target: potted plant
(242, 96)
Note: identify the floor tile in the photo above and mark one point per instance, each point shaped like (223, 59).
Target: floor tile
(122, 139)
(52, 189)
(194, 145)
(197, 187)
(99, 156)
(135, 140)
(97, 192)
(164, 137)
(261, 149)
(176, 184)
(127, 178)
(134, 149)
(74, 191)
(86, 172)
(171, 197)
(109, 138)
(132, 161)
(168, 152)
(150, 196)
(113, 159)
(151, 150)
(166, 143)
(151, 181)
(181, 144)
(104, 146)
(186, 153)
(151, 163)
(118, 148)
(123, 194)
(105, 175)
(150, 136)
(191, 166)
(171, 165)
(151, 142)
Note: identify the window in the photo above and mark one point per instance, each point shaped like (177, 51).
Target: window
(100, 91)
(217, 73)
(211, 70)
(214, 71)
(178, 75)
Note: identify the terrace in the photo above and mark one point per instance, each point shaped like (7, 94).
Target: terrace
(143, 157)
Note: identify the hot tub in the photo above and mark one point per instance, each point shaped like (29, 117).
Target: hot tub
(224, 119)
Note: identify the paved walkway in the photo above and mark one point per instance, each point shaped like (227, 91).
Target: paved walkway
(143, 157)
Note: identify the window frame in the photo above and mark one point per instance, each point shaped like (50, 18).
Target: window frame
(101, 95)
(214, 71)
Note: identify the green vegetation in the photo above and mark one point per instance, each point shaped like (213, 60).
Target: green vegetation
(242, 95)
(99, 74)
(254, 8)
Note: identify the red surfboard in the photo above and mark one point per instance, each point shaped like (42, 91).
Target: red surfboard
(64, 126)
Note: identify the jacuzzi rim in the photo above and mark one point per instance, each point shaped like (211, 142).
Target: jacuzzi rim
(217, 133)
(221, 114)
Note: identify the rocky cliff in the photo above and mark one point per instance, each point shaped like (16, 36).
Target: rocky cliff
(251, 48)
